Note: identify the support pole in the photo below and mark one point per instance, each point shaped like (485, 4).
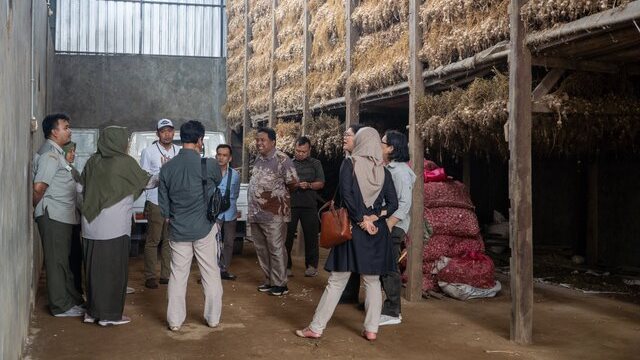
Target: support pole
(246, 119)
(416, 91)
(520, 220)
(352, 105)
(274, 46)
(306, 111)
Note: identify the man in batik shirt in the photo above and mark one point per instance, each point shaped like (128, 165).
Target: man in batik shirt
(272, 179)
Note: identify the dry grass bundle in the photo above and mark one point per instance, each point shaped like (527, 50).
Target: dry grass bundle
(461, 121)
(377, 15)
(289, 56)
(326, 69)
(259, 62)
(544, 14)
(585, 119)
(456, 29)
(235, 62)
(325, 132)
(381, 59)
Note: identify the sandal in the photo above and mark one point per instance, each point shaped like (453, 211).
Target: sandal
(371, 336)
(308, 333)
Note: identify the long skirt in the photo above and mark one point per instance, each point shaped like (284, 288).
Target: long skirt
(107, 271)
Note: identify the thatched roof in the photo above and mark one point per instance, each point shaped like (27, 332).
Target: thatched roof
(289, 56)
(260, 60)
(590, 114)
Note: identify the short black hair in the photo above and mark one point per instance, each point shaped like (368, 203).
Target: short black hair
(267, 130)
(225, 146)
(355, 127)
(191, 131)
(50, 122)
(303, 140)
(400, 146)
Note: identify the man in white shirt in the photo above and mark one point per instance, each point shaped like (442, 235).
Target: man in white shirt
(151, 160)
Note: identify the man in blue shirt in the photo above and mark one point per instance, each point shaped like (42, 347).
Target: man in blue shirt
(227, 219)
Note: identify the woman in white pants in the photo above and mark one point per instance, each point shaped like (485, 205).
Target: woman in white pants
(364, 185)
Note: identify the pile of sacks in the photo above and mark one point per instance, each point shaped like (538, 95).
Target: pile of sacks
(453, 258)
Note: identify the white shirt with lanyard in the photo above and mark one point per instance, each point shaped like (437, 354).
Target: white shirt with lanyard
(152, 159)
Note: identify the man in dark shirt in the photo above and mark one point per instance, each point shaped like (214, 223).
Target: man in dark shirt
(182, 204)
(304, 205)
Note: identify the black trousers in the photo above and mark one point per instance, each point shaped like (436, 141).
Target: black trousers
(392, 281)
(308, 217)
(75, 258)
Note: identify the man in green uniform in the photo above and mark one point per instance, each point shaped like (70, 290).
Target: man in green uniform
(54, 198)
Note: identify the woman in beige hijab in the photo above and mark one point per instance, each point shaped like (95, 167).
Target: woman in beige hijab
(369, 195)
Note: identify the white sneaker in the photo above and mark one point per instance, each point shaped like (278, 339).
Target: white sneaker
(73, 311)
(88, 318)
(390, 320)
(311, 272)
(124, 320)
(130, 290)
(174, 328)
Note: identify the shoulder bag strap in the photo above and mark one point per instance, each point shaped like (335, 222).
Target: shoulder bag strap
(227, 192)
(203, 163)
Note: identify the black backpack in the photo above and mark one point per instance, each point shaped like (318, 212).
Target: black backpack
(217, 203)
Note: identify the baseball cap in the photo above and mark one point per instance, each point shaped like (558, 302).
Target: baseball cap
(164, 123)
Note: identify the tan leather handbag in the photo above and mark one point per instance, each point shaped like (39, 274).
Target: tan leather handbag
(335, 226)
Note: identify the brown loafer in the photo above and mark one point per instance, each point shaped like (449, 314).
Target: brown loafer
(151, 284)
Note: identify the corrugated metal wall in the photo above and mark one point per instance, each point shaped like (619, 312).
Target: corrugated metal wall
(153, 27)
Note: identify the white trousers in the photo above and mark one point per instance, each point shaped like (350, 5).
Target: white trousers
(206, 252)
(329, 300)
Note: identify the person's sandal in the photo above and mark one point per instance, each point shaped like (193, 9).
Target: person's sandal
(308, 333)
(371, 336)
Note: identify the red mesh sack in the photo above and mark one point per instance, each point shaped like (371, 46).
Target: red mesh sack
(475, 269)
(450, 246)
(464, 246)
(452, 221)
(446, 194)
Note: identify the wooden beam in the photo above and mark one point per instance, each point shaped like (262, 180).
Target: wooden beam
(520, 220)
(274, 46)
(548, 82)
(416, 91)
(306, 111)
(592, 213)
(246, 118)
(586, 26)
(352, 104)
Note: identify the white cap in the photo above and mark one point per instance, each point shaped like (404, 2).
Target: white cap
(164, 123)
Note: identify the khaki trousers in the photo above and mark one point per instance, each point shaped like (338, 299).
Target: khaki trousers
(206, 253)
(157, 231)
(331, 296)
(268, 239)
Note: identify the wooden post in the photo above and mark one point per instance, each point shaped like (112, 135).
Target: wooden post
(592, 213)
(246, 118)
(352, 105)
(520, 220)
(274, 46)
(306, 111)
(416, 91)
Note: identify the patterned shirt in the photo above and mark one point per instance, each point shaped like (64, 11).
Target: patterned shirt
(269, 198)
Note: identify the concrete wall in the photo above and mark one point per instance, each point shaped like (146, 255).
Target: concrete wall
(20, 253)
(136, 91)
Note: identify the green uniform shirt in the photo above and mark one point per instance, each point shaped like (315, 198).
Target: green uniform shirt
(51, 168)
(309, 170)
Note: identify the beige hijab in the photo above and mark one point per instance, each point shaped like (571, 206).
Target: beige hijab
(368, 167)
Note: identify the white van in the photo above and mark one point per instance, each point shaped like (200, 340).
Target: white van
(141, 139)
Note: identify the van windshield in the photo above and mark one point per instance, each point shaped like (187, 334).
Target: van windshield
(140, 140)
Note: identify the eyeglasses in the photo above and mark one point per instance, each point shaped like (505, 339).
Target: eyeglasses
(383, 142)
(347, 134)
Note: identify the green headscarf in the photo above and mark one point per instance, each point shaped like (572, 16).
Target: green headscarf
(111, 174)
(68, 146)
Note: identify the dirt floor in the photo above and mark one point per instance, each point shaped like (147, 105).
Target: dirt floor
(567, 325)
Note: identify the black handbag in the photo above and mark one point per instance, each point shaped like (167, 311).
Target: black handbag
(216, 203)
